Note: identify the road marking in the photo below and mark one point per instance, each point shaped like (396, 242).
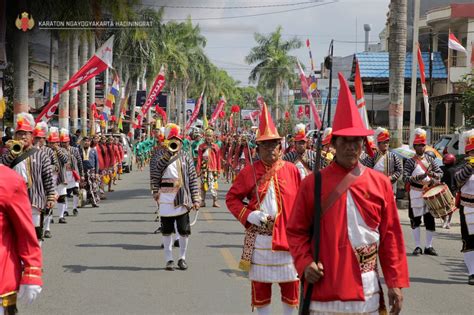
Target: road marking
(207, 216)
(232, 264)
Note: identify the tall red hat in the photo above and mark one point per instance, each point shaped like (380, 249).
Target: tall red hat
(267, 130)
(469, 141)
(172, 131)
(347, 120)
(382, 134)
(300, 133)
(64, 135)
(420, 136)
(25, 122)
(41, 130)
(53, 135)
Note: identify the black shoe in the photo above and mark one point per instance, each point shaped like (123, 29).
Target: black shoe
(47, 234)
(417, 251)
(52, 220)
(182, 264)
(62, 220)
(66, 214)
(162, 246)
(75, 212)
(94, 205)
(170, 265)
(470, 281)
(430, 251)
(176, 243)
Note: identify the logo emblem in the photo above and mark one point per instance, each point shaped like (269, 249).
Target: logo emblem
(24, 22)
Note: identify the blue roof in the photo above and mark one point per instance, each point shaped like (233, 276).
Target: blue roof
(374, 65)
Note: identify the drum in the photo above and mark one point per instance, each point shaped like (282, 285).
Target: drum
(439, 200)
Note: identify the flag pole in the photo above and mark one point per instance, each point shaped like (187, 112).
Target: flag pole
(448, 88)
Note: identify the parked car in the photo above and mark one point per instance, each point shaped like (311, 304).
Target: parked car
(127, 163)
(448, 143)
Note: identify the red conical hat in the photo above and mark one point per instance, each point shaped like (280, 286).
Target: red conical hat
(267, 129)
(347, 120)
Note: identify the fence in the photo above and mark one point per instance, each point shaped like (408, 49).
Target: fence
(436, 133)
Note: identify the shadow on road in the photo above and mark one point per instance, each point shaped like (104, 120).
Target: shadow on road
(111, 213)
(123, 246)
(234, 273)
(213, 219)
(436, 281)
(81, 268)
(122, 232)
(222, 232)
(225, 246)
(131, 220)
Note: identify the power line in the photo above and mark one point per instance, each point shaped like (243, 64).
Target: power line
(234, 7)
(253, 15)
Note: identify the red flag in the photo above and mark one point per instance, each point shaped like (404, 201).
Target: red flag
(155, 90)
(455, 44)
(305, 88)
(219, 108)
(162, 113)
(360, 99)
(421, 65)
(97, 64)
(195, 113)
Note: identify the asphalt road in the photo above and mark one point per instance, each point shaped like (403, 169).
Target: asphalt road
(108, 261)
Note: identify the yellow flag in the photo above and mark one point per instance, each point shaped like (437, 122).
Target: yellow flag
(205, 121)
(3, 106)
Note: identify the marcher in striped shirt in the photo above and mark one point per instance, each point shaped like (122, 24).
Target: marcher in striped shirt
(35, 168)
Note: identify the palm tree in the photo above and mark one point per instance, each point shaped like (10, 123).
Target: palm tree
(274, 65)
(397, 24)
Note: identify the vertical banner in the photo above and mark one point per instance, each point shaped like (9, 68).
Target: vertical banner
(421, 65)
(305, 88)
(195, 113)
(360, 99)
(219, 108)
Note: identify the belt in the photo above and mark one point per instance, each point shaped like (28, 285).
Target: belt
(416, 185)
(362, 259)
(8, 300)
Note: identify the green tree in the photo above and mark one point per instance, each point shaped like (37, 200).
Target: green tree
(467, 102)
(274, 66)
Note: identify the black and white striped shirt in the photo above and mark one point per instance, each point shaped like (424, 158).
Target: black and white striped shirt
(393, 164)
(463, 174)
(38, 166)
(411, 164)
(189, 193)
(294, 157)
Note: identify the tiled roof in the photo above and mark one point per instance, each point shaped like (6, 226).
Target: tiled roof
(374, 65)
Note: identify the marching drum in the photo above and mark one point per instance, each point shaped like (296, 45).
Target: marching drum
(440, 201)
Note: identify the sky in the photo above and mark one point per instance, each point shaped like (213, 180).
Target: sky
(229, 39)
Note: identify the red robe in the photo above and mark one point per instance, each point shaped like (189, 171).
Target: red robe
(214, 158)
(373, 195)
(20, 253)
(110, 155)
(286, 180)
(117, 155)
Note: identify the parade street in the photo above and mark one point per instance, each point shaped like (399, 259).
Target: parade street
(108, 261)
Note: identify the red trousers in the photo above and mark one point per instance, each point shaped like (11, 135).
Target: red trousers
(262, 293)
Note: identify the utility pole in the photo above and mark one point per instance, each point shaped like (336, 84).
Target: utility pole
(328, 64)
(416, 18)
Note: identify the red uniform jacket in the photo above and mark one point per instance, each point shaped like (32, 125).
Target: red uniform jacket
(104, 156)
(213, 160)
(286, 179)
(120, 147)
(372, 193)
(238, 153)
(110, 155)
(117, 155)
(20, 253)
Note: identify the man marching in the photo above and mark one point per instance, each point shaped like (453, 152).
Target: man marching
(34, 166)
(304, 159)
(175, 187)
(465, 180)
(208, 167)
(90, 162)
(421, 172)
(74, 173)
(359, 221)
(384, 161)
(327, 152)
(270, 186)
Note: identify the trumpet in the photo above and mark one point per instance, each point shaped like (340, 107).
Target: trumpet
(16, 147)
(172, 145)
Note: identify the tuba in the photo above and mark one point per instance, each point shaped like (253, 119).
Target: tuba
(16, 147)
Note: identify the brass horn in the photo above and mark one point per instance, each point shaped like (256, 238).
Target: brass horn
(16, 147)
(173, 146)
